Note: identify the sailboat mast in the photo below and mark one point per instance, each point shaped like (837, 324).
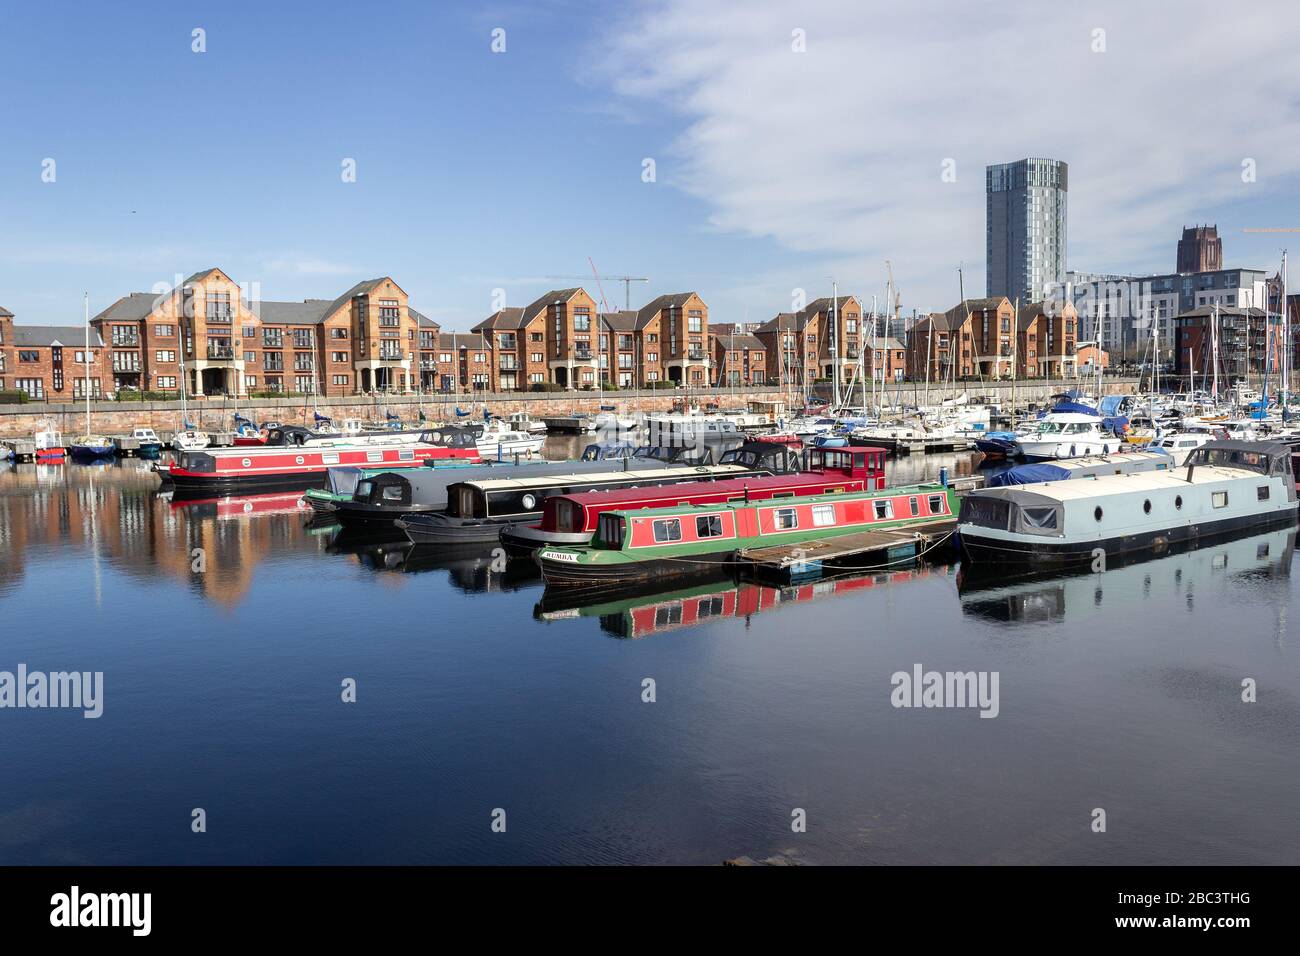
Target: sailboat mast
(86, 355)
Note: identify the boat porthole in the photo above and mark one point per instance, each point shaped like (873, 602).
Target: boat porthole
(1097, 513)
(247, 463)
(1178, 502)
(298, 459)
(1146, 506)
(529, 502)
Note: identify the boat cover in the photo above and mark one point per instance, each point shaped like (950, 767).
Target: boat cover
(1028, 475)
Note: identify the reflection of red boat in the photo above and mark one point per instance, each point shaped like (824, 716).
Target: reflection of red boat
(641, 616)
(284, 502)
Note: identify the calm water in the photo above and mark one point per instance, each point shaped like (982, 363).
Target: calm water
(222, 691)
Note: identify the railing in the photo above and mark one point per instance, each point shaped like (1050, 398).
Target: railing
(222, 318)
(126, 342)
(389, 356)
(695, 356)
(582, 355)
(220, 353)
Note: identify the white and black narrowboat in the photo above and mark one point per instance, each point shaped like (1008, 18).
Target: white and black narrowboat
(1226, 487)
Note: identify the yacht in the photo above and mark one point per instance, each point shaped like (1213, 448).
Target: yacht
(500, 441)
(1068, 435)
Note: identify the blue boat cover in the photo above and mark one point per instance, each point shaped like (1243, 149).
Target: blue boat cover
(1077, 408)
(1028, 475)
(1109, 405)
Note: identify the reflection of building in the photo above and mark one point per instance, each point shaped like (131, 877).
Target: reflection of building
(115, 514)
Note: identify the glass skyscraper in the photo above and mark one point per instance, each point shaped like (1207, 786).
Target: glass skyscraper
(1025, 223)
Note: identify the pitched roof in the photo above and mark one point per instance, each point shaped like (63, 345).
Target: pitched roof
(502, 319)
(68, 336)
(827, 304)
(740, 341)
(130, 308)
(5, 313)
(647, 312)
(967, 306)
(888, 342)
(307, 312)
(937, 320)
(620, 321)
(200, 275)
(1206, 311)
(461, 340)
(538, 305)
(422, 320)
(787, 321)
(361, 288)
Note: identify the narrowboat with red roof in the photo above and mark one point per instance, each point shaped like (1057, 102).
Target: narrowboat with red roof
(215, 471)
(571, 519)
(631, 547)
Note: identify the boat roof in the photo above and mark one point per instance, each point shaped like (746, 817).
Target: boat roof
(798, 479)
(932, 488)
(506, 484)
(1108, 486)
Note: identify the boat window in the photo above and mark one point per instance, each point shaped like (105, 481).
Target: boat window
(1220, 499)
(1038, 519)
(786, 518)
(710, 607)
(784, 494)
(884, 508)
(915, 506)
(374, 456)
(1178, 503)
(609, 530)
(393, 493)
(1262, 492)
(668, 529)
(668, 615)
(823, 515)
(1097, 513)
(708, 526)
(363, 489)
(330, 458)
(985, 512)
(936, 504)
(406, 454)
(1146, 506)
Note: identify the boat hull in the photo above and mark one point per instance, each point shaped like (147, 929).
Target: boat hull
(441, 529)
(522, 539)
(993, 552)
(92, 452)
(560, 573)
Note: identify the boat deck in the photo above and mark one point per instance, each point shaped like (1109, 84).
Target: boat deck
(799, 562)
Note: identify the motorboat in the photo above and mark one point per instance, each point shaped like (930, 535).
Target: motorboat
(1068, 435)
(497, 440)
(191, 439)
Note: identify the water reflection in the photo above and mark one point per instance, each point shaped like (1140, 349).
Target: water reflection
(1245, 561)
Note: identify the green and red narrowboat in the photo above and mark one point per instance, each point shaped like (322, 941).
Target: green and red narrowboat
(630, 547)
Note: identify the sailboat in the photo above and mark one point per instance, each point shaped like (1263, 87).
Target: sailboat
(90, 446)
(189, 438)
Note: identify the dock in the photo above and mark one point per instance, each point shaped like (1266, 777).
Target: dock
(566, 424)
(788, 563)
(23, 449)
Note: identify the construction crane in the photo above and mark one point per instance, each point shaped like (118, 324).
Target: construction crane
(898, 299)
(1281, 229)
(626, 280)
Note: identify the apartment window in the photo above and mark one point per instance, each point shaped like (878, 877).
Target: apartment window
(302, 338)
(536, 357)
(480, 357)
(125, 335)
(588, 378)
(164, 331)
(668, 529)
(444, 357)
(340, 379)
(338, 333)
(389, 313)
(218, 307)
(162, 355)
(625, 342)
(79, 388)
(248, 331)
(250, 356)
(695, 323)
(34, 387)
(302, 361)
(536, 377)
(624, 360)
(126, 361)
(338, 357)
(272, 338)
(581, 321)
(304, 383)
(169, 381)
(652, 356)
(272, 362)
(535, 336)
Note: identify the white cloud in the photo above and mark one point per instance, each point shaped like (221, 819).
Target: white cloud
(837, 152)
(307, 265)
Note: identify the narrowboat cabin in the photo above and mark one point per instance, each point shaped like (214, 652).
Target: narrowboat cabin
(632, 547)
(478, 510)
(1226, 487)
(571, 519)
(248, 470)
(375, 504)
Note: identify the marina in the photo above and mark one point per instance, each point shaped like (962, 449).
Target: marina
(803, 646)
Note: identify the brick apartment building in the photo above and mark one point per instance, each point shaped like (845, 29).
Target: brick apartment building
(48, 362)
(1046, 341)
(366, 339)
(972, 339)
(1247, 348)
(738, 356)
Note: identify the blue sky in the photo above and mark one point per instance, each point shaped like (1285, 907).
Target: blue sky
(475, 171)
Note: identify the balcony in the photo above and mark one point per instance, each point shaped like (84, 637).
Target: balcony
(222, 317)
(582, 355)
(220, 353)
(696, 355)
(852, 353)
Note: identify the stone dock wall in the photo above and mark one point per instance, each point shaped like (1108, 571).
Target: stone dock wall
(216, 414)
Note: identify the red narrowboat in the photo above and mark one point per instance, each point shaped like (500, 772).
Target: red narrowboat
(250, 470)
(572, 519)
